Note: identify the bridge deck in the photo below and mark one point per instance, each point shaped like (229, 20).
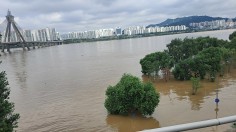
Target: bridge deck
(30, 42)
(9, 45)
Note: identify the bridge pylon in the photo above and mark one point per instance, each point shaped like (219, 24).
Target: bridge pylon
(7, 37)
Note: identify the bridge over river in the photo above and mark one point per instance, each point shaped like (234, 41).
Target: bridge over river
(33, 44)
(12, 36)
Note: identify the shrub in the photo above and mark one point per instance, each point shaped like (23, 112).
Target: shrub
(131, 95)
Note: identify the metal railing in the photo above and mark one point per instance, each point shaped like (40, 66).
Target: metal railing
(195, 125)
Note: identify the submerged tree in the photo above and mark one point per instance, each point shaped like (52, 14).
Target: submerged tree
(131, 95)
(212, 58)
(195, 84)
(208, 61)
(8, 119)
(180, 50)
(154, 62)
(190, 57)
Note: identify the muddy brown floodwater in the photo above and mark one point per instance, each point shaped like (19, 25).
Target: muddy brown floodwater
(62, 88)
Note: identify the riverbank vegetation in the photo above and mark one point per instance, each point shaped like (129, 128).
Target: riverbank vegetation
(194, 58)
(130, 95)
(8, 119)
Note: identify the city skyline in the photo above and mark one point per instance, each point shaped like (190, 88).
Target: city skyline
(72, 16)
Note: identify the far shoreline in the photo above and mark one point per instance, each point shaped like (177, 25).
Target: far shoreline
(121, 37)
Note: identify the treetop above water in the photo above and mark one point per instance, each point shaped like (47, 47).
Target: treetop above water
(191, 57)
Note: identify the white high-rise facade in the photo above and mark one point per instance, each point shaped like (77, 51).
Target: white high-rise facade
(143, 30)
(93, 34)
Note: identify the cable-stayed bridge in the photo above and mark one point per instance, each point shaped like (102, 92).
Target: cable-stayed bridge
(13, 36)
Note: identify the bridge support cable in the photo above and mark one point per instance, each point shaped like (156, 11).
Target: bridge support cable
(21, 32)
(3, 26)
(2, 31)
(7, 33)
(20, 36)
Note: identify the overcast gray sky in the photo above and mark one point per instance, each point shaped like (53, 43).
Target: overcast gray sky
(81, 15)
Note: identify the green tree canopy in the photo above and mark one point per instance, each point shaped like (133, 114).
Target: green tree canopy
(233, 35)
(8, 120)
(155, 61)
(191, 57)
(212, 58)
(232, 44)
(182, 49)
(208, 60)
(130, 95)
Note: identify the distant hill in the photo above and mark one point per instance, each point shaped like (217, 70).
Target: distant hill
(187, 20)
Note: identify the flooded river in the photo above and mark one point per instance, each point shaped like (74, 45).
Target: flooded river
(62, 88)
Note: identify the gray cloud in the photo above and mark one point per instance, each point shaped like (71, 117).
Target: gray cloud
(80, 15)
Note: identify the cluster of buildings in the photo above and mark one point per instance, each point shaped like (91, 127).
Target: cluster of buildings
(118, 31)
(43, 35)
(217, 24)
(144, 30)
(46, 34)
(89, 34)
